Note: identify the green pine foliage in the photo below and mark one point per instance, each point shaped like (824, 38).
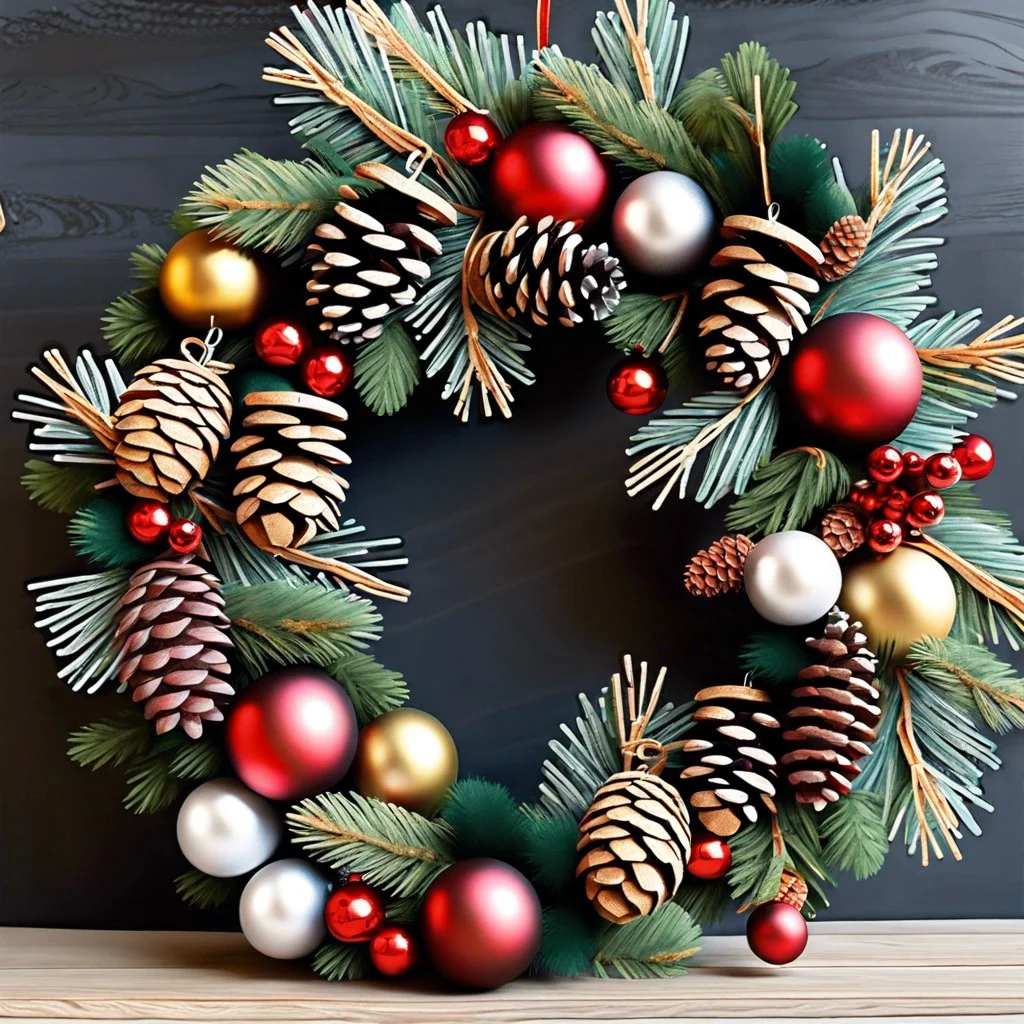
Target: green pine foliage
(805, 186)
(136, 326)
(705, 902)
(62, 487)
(387, 371)
(645, 321)
(342, 961)
(111, 742)
(486, 820)
(372, 688)
(549, 849)
(776, 657)
(569, 943)
(197, 889)
(99, 532)
(756, 869)
(656, 946)
(853, 834)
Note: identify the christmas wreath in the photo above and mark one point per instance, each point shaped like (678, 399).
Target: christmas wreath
(456, 196)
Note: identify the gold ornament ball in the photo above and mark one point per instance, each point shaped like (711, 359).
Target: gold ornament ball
(406, 757)
(203, 277)
(900, 598)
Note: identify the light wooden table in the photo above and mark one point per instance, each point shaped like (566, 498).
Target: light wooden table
(910, 971)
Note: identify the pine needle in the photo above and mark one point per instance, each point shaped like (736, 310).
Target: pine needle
(372, 688)
(569, 942)
(775, 657)
(656, 946)
(62, 487)
(387, 371)
(342, 961)
(111, 742)
(197, 889)
(486, 819)
(854, 834)
(99, 532)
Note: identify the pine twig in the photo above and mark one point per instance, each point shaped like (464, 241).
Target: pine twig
(636, 33)
(995, 352)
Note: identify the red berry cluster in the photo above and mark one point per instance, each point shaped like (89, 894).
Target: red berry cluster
(326, 369)
(150, 522)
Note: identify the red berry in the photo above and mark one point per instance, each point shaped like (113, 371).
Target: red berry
(354, 912)
(976, 456)
(394, 950)
(184, 536)
(148, 520)
(896, 505)
(913, 466)
(885, 464)
(327, 370)
(926, 509)
(884, 536)
(281, 342)
(710, 857)
(942, 470)
(471, 138)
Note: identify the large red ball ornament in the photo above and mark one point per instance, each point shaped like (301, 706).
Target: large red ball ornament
(776, 932)
(710, 858)
(976, 456)
(545, 169)
(637, 386)
(394, 950)
(292, 733)
(148, 521)
(327, 370)
(471, 138)
(481, 923)
(853, 381)
(354, 912)
(281, 342)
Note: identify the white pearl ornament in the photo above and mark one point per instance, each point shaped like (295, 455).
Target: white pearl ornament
(792, 578)
(281, 910)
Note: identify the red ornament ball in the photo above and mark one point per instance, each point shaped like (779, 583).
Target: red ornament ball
(354, 912)
(281, 342)
(942, 470)
(913, 466)
(481, 923)
(776, 932)
(885, 464)
(853, 382)
(896, 503)
(327, 370)
(184, 536)
(637, 385)
(976, 456)
(394, 950)
(926, 509)
(292, 733)
(865, 494)
(710, 857)
(884, 536)
(471, 138)
(148, 521)
(545, 169)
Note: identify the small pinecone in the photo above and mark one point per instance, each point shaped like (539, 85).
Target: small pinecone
(832, 719)
(718, 569)
(174, 631)
(635, 842)
(753, 311)
(842, 528)
(842, 246)
(792, 890)
(543, 272)
(729, 775)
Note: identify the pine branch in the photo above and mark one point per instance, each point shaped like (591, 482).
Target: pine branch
(705, 902)
(854, 834)
(372, 688)
(342, 961)
(135, 325)
(654, 324)
(486, 820)
(387, 371)
(656, 946)
(549, 848)
(197, 889)
(776, 657)
(59, 487)
(111, 742)
(98, 531)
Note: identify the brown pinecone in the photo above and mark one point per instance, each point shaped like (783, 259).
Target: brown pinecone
(833, 714)
(792, 890)
(842, 528)
(718, 569)
(729, 775)
(843, 245)
(754, 310)
(635, 842)
(174, 631)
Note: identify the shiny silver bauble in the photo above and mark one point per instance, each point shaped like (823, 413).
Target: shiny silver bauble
(282, 909)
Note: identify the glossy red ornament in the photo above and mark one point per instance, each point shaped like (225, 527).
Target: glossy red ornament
(926, 509)
(637, 385)
(292, 733)
(184, 536)
(913, 466)
(481, 923)
(942, 470)
(394, 950)
(976, 456)
(776, 932)
(281, 342)
(865, 494)
(853, 382)
(354, 911)
(471, 138)
(327, 370)
(885, 464)
(710, 857)
(545, 169)
(884, 536)
(896, 504)
(148, 521)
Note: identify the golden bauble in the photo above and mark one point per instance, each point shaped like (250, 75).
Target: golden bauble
(900, 598)
(406, 757)
(204, 277)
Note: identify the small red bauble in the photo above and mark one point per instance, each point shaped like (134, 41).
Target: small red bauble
(327, 370)
(896, 504)
(976, 456)
(710, 857)
(942, 470)
(354, 912)
(776, 932)
(394, 950)
(471, 138)
(545, 169)
(281, 342)
(865, 494)
(926, 509)
(148, 521)
(913, 466)
(637, 385)
(885, 464)
(884, 536)
(184, 536)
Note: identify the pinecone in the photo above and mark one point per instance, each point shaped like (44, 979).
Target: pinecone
(792, 890)
(364, 266)
(842, 528)
(843, 245)
(752, 313)
(543, 272)
(718, 569)
(635, 841)
(174, 631)
(832, 719)
(729, 775)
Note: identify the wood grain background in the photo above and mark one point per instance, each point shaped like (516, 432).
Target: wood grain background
(531, 569)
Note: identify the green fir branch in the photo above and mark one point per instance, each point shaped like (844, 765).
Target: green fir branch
(656, 946)
(854, 836)
(99, 532)
(136, 325)
(717, 124)
(738, 73)
(111, 742)
(549, 848)
(775, 657)
(342, 961)
(486, 820)
(372, 688)
(204, 892)
(705, 902)
(387, 371)
(62, 487)
(568, 943)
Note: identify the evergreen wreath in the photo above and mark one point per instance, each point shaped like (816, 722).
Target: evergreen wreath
(207, 495)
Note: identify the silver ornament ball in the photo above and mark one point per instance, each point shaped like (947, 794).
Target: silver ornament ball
(663, 224)
(281, 910)
(792, 578)
(225, 829)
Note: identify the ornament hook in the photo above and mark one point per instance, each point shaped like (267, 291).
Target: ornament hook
(205, 346)
(773, 212)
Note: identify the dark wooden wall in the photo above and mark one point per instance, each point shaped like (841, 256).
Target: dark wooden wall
(531, 569)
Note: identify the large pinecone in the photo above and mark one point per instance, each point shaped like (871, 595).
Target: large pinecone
(842, 246)
(635, 842)
(729, 775)
(842, 528)
(833, 714)
(718, 568)
(543, 272)
(174, 631)
(752, 312)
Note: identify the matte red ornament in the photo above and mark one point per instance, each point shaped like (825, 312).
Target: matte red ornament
(776, 932)
(281, 342)
(394, 950)
(884, 536)
(926, 509)
(942, 470)
(148, 521)
(637, 385)
(471, 138)
(710, 857)
(885, 464)
(327, 370)
(545, 169)
(913, 466)
(976, 456)
(853, 381)
(292, 733)
(481, 923)
(184, 536)
(354, 912)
